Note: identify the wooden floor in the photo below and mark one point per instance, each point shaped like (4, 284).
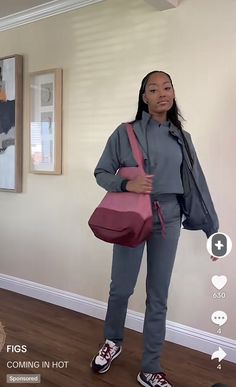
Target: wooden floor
(58, 335)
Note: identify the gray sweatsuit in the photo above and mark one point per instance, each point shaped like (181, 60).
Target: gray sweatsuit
(162, 157)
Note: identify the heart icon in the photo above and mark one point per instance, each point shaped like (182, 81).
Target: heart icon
(219, 281)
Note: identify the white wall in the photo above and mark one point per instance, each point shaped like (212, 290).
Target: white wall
(105, 50)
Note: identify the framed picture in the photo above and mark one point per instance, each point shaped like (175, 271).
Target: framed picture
(11, 97)
(45, 121)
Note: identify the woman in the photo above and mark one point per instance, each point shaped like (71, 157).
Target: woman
(163, 143)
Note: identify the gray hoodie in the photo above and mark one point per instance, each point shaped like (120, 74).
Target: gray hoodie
(117, 154)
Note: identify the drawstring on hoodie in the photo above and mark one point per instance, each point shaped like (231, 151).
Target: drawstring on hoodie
(161, 217)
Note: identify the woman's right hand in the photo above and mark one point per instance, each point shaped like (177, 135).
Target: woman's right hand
(141, 184)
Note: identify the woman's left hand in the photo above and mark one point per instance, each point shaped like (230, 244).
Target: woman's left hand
(214, 258)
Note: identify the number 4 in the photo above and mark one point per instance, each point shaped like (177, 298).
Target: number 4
(219, 367)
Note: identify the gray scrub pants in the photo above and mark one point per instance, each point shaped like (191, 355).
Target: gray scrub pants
(125, 268)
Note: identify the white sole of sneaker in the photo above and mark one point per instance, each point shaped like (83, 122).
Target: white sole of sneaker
(106, 369)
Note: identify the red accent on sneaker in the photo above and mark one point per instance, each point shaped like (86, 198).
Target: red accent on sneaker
(160, 377)
(153, 379)
(102, 361)
(106, 351)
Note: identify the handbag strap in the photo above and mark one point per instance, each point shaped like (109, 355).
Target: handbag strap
(135, 147)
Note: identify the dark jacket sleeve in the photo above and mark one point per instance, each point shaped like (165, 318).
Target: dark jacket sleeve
(108, 165)
(213, 225)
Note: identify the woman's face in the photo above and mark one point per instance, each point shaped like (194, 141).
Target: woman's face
(159, 94)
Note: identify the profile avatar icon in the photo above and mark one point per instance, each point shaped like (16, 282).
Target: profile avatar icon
(2, 336)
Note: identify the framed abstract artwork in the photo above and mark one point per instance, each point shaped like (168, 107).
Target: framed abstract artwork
(11, 108)
(46, 121)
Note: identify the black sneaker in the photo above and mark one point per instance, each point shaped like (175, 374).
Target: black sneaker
(102, 361)
(153, 380)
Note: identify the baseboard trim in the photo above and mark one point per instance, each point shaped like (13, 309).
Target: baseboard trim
(176, 333)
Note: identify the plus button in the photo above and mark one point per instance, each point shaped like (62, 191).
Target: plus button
(219, 245)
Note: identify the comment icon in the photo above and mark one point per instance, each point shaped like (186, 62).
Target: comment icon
(219, 317)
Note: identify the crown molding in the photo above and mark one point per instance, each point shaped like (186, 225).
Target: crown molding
(43, 11)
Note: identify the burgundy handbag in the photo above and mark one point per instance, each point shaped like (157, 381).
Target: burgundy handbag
(124, 218)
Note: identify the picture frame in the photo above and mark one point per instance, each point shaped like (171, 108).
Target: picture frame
(46, 121)
(11, 113)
